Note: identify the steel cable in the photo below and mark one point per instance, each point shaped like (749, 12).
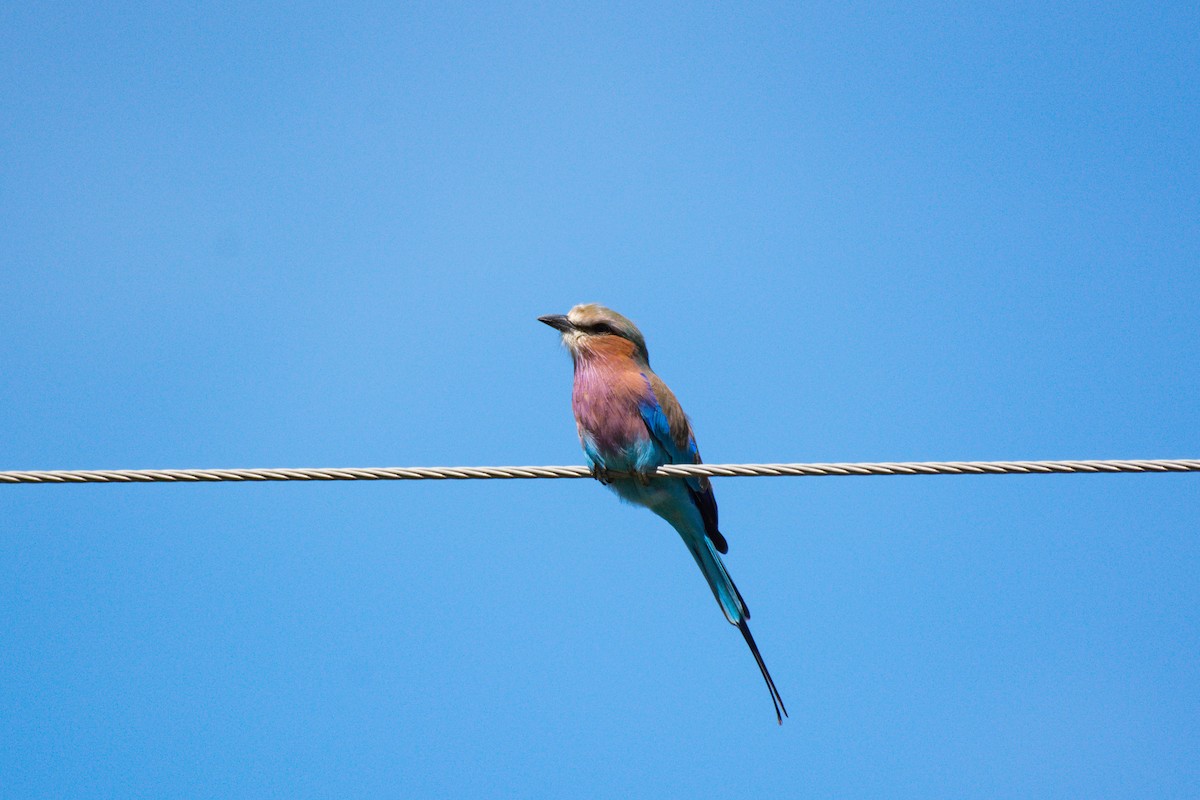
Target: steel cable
(673, 470)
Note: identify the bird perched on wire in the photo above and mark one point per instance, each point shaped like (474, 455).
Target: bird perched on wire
(629, 424)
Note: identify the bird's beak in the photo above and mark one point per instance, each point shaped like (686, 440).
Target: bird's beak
(557, 321)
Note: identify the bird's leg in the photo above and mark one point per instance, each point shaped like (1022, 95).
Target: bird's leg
(605, 475)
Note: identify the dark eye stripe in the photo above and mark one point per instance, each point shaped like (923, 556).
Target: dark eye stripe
(602, 327)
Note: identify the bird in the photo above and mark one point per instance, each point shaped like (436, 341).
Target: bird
(630, 424)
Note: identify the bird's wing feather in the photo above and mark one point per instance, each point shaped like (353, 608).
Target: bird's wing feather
(670, 428)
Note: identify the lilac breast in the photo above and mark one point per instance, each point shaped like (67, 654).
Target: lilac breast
(607, 401)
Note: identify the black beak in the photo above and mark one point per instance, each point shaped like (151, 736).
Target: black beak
(557, 321)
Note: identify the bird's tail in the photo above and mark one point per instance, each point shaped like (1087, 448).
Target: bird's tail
(736, 611)
(723, 588)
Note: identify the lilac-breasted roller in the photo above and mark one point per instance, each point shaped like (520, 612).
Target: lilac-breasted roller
(630, 423)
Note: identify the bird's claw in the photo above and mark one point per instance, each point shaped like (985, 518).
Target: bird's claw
(605, 476)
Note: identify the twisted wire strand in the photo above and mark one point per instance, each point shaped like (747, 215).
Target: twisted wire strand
(673, 471)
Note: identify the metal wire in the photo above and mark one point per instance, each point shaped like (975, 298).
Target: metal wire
(674, 470)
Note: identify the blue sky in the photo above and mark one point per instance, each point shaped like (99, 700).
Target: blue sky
(248, 235)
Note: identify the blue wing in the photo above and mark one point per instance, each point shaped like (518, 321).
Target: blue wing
(670, 429)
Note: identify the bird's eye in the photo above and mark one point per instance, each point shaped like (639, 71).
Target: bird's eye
(603, 327)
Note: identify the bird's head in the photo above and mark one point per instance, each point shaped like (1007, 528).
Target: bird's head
(591, 328)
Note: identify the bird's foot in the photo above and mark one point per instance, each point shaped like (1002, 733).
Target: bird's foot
(606, 476)
(643, 477)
